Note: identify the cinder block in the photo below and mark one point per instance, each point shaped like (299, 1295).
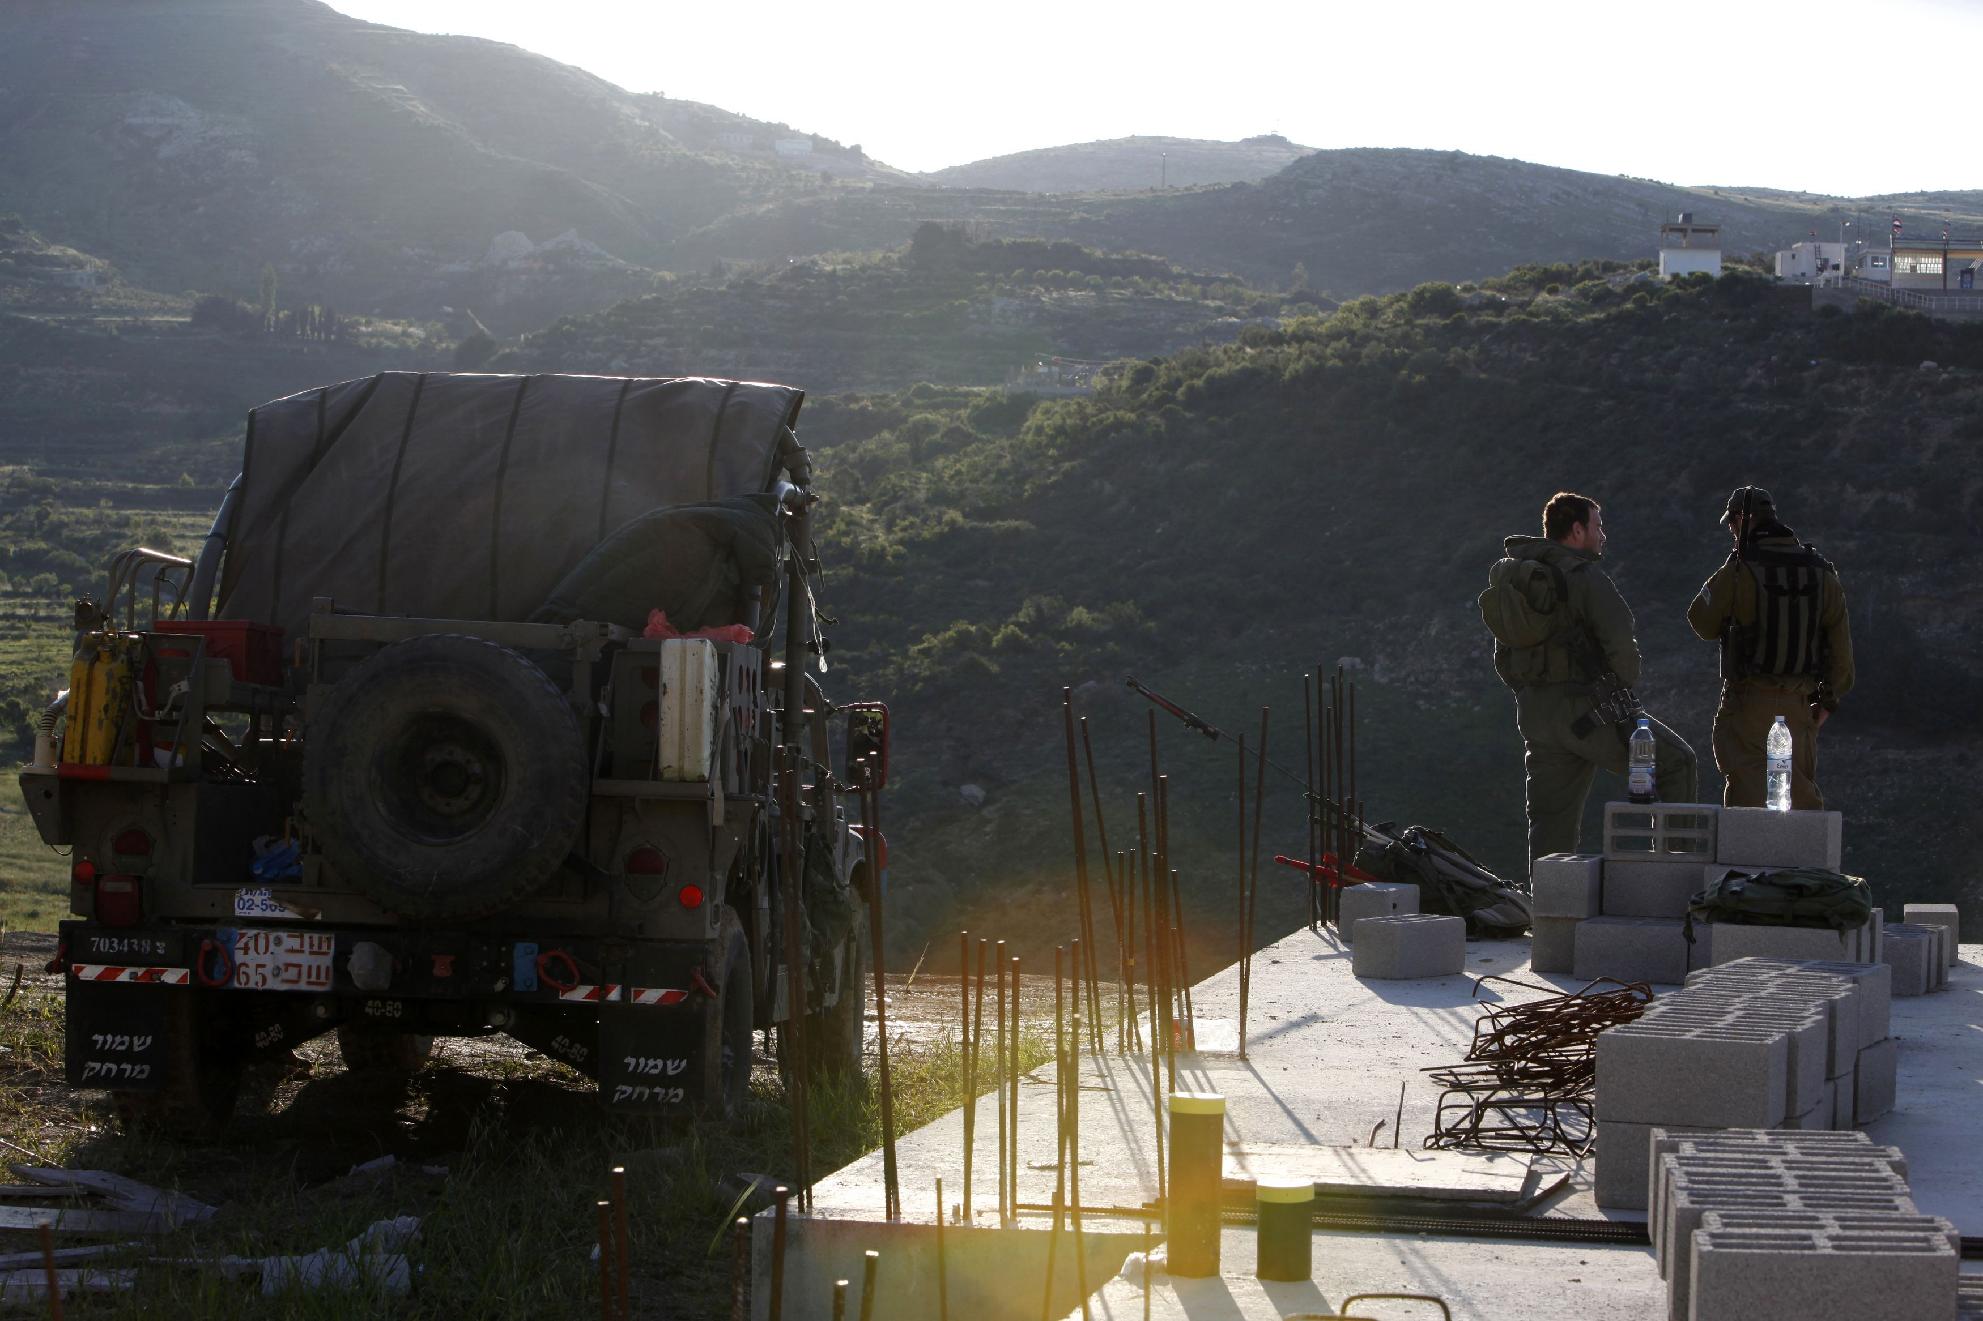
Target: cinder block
(1874, 1002)
(1672, 1148)
(1758, 837)
(1911, 955)
(1566, 885)
(1410, 945)
(1710, 1077)
(1737, 940)
(1745, 1209)
(1969, 1298)
(1623, 1161)
(1631, 949)
(1836, 1223)
(1372, 899)
(1645, 888)
(1553, 944)
(1874, 1081)
(1745, 1274)
(1937, 938)
(1946, 916)
(1678, 832)
(1818, 1117)
(1806, 1033)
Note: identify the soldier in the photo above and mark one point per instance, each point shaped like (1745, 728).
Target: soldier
(1572, 699)
(1777, 610)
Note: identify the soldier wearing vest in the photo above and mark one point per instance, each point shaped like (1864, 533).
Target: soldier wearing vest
(1777, 610)
(1564, 643)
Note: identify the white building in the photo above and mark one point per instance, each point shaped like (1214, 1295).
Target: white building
(1811, 262)
(1685, 247)
(1870, 265)
(793, 146)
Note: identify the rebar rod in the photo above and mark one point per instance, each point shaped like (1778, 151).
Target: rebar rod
(1085, 904)
(740, 1269)
(870, 1261)
(1074, 1167)
(1183, 963)
(1059, 1128)
(1242, 962)
(1109, 872)
(942, 1265)
(998, 1069)
(1012, 1082)
(792, 1031)
(1308, 797)
(780, 1197)
(871, 837)
(608, 1294)
(622, 1270)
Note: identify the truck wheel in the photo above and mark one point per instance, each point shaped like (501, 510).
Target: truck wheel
(836, 1036)
(445, 777)
(727, 1024)
(202, 1083)
(383, 1054)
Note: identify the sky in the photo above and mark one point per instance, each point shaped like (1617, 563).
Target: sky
(1729, 92)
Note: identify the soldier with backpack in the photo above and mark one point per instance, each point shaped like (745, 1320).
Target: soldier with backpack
(1563, 641)
(1777, 610)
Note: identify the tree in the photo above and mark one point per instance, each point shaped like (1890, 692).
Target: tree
(1298, 278)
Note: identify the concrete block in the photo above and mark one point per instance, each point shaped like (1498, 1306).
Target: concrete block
(1624, 1161)
(1757, 1209)
(1969, 1298)
(1938, 949)
(1805, 1029)
(1746, 1274)
(1737, 940)
(1843, 1110)
(1838, 1226)
(1553, 944)
(1410, 945)
(1911, 955)
(1566, 885)
(1631, 949)
(1758, 837)
(1711, 1077)
(1671, 1148)
(1646, 888)
(1819, 1116)
(1874, 1082)
(1941, 915)
(1677, 832)
(1372, 899)
(1874, 1002)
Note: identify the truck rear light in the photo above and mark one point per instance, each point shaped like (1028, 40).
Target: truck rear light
(647, 861)
(131, 850)
(120, 901)
(691, 896)
(83, 872)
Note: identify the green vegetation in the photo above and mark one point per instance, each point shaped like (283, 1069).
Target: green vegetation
(945, 308)
(1215, 520)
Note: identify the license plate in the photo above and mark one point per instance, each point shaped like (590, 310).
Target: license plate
(259, 903)
(269, 960)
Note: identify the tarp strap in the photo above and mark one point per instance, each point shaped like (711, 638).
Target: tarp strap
(392, 487)
(612, 447)
(496, 518)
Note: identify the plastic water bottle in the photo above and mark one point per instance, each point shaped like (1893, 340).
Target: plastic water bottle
(1778, 798)
(1640, 766)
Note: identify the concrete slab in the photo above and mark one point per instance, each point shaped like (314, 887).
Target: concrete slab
(1327, 1055)
(1754, 837)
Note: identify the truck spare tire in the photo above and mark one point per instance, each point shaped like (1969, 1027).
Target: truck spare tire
(445, 777)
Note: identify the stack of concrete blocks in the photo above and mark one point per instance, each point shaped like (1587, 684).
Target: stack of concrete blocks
(1622, 914)
(1945, 916)
(1754, 1224)
(1409, 945)
(1755, 1044)
(1918, 953)
(1372, 899)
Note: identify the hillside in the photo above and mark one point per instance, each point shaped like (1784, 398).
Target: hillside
(1216, 522)
(944, 310)
(1119, 164)
(1357, 221)
(192, 142)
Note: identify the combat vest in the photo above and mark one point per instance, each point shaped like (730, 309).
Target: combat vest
(1787, 638)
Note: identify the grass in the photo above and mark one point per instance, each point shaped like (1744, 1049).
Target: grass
(500, 1153)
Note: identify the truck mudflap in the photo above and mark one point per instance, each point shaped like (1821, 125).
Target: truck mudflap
(116, 1036)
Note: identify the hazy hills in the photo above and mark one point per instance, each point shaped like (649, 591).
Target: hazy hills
(191, 142)
(1118, 164)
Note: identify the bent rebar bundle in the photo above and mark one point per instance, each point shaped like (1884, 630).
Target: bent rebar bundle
(1529, 1080)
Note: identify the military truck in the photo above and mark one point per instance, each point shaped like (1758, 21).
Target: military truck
(485, 707)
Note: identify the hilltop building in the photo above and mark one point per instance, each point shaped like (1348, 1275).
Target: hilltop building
(1811, 262)
(1874, 266)
(1686, 247)
(1936, 263)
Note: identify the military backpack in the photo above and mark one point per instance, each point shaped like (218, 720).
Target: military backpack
(1784, 897)
(1527, 602)
(1787, 638)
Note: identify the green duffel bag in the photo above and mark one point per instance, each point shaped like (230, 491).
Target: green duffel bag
(1784, 897)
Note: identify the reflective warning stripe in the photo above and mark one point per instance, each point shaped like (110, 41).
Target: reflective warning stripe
(110, 972)
(655, 995)
(609, 991)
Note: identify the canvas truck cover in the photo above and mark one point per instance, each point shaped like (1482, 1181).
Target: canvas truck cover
(472, 496)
